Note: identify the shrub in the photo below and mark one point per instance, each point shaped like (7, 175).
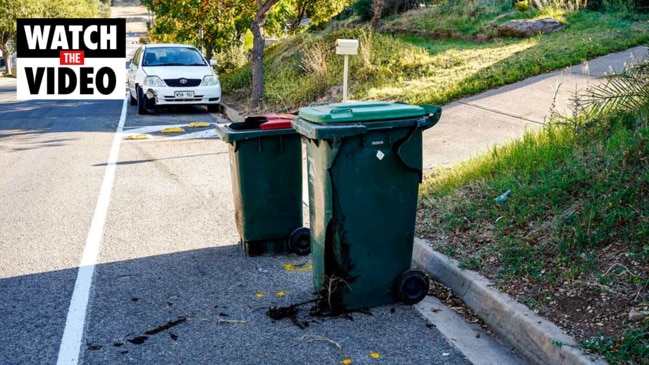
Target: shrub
(642, 6)
(363, 8)
(231, 58)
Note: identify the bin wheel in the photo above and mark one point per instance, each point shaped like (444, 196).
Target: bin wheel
(411, 286)
(299, 242)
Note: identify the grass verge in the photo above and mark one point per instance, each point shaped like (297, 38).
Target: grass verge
(570, 240)
(305, 68)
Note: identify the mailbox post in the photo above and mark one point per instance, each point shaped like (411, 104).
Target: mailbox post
(346, 47)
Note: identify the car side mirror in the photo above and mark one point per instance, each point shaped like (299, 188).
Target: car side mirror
(212, 62)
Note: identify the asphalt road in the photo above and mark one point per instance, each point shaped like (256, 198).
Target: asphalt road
(162, 279)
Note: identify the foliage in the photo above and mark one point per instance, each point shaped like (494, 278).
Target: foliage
(522, 6)
(230, 58)
(421, 70)
(597, 5)
(465, 17)
(626, 92)
(222, 22)
(288, 15)
(74, 9)
(10, 10)
(632, 348)
(641, 6)
(570, 5)
(363, 8)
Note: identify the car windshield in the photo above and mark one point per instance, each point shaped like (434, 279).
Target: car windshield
(172, 56)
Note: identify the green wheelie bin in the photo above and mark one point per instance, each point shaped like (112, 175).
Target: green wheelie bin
(364, 168)
(266, 170)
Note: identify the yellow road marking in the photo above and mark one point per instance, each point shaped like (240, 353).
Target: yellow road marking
(173, 130)
(198, 125)
(137, 136)
(290, 267)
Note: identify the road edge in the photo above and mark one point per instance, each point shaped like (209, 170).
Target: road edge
(230, 113)
(537, 339)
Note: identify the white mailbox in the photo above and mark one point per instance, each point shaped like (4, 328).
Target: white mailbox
(347, 46)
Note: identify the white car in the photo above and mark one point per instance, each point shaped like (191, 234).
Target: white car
(172, 74)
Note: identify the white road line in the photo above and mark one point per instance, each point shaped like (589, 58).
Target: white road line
(74, 324)
(206, 133)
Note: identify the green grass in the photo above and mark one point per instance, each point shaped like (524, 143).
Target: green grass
(464, 17)
(633, 347)
(568, 197)
(577, 216)
(305, 68)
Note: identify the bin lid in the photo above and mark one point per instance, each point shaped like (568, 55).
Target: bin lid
(277, 123)
(362, 111)
(256, 121)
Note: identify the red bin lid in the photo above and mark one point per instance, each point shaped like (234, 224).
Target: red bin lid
(277, 122)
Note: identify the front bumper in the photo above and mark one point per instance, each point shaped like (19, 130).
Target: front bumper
(167, 95)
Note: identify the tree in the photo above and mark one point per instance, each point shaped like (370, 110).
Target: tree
(224, 23)
(183, 20)
(257, 54)
(180, 18)
(377, 6)
(258, 44)
(10, 10)
(73, 9)
(317, 11)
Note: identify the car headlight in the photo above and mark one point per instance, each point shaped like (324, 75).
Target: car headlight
(154, 81)
(210, 80)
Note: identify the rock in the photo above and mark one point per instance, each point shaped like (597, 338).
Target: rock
(637, 316)
(528, 27)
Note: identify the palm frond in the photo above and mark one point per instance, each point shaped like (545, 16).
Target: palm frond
(627, 91)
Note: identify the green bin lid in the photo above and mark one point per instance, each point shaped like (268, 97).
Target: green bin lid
(366, 111)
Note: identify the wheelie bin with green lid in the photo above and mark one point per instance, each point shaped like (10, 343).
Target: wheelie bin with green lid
(364, 168)
(266, 170)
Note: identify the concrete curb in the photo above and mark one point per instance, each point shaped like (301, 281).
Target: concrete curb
(230, 113)
(536, 338)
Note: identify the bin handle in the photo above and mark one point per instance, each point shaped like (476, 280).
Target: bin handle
(341, 113)
(409, 151)
(434, 113)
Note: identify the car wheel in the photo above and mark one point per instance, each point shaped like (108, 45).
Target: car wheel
(141, 108)
(133, 100)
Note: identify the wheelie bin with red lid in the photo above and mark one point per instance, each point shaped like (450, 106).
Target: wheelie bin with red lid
(266, 170)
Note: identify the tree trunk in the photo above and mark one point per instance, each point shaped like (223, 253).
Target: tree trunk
(209, 48)
(7, 56)
(257, 54)
(377, 10)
